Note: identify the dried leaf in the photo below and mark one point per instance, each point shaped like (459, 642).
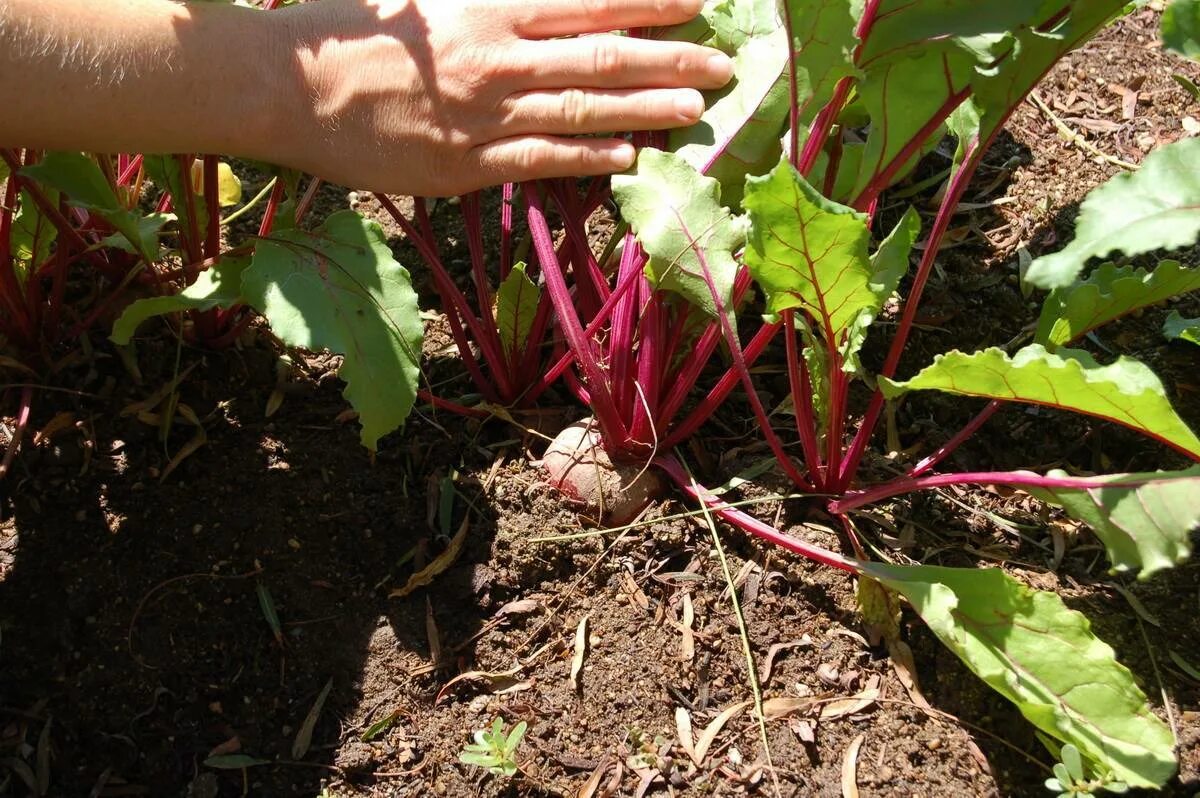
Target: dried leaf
(230, 746)
(61, 422)
(713, 729)
(493, 681)
(155, 399)
(519, 607)
(768, 663)
(234, 762)
(197, 440)
(591, 787)
(683, 730)
(776, 708)
(856, 703)
(440, 563)
(303, 739)
(850, 768)
(43, 759)
(431, 632)
(906, 671)
(581, 645)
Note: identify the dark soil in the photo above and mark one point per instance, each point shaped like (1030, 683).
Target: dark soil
(135, 640)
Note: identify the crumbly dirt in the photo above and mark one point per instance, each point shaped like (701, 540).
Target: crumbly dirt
(135, 631)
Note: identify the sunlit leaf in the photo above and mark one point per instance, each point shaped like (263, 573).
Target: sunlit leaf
(1137, 212)
(32, 235)
(889, 264)
(168, 174)
(1125, 391)
(680, 222)
(1144, 520)
(1044, 658)
(806, 251)
(339, 288)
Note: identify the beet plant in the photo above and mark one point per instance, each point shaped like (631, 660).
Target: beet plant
(833, 102)
(510, 321)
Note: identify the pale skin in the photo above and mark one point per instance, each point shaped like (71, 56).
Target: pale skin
(425, 97)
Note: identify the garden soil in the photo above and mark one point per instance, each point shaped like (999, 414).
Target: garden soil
(236, 609)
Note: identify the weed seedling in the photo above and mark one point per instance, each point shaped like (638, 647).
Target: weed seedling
(494, 749)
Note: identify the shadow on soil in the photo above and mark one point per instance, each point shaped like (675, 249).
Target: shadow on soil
(132, 612)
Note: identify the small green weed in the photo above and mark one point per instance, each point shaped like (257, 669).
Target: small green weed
(494, 749)
(1070, 782)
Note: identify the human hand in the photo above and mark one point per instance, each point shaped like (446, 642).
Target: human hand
(440, 97)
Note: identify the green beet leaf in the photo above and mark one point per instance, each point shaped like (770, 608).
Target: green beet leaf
(1177, 328)
(740, 130)
(889, 264)
(32, 235)
(1044, 658)
(1181, 27)
(339, 288)
(1126, 391)
(1157, 207)
(806, 251)
(1109, 292)
(1144, 520)
(219, 286)
(680, 222)
(516, 308)
(80, 179)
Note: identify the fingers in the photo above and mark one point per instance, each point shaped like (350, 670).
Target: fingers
(574, 111)
(548, 18)
(535, 157)
(616, 62)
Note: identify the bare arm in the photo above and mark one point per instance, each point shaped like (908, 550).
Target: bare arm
(407, 96)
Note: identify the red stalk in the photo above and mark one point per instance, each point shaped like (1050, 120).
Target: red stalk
(947, 448)
(954, 192)
(602, 404)
(1015, 479)
(19, 433)
(802, 404)
(751, 525)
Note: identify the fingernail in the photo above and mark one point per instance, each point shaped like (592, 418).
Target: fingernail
(720, 66)
(689, 105)
(623, 156)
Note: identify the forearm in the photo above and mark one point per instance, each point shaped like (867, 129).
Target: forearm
(143, 76)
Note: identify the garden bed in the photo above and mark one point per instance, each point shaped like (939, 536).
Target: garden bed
(135, 612)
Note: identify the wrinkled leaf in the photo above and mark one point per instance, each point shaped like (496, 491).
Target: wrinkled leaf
(1044, 658)
(679, 220)
(1126, 391)
(1156, 207)
(1109, 292)
(340, 288)
(219, 286)
(1177, 328)
(806, 251)
(1144, 520)
(516, 308)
